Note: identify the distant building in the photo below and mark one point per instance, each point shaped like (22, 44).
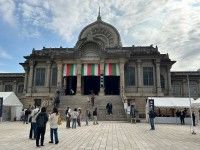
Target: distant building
(100, 64)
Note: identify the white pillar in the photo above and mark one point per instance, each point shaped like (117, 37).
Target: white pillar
(48, 75)
(169, 81)
(121, 69)
(59, 75)
(78, 87)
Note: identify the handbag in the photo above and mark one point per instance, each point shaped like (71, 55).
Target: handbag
(59, 120)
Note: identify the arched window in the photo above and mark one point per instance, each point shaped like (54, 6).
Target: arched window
(129, 75)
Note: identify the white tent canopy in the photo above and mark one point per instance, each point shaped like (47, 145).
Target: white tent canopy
(172, 102)
(196, 103)
(11, 100)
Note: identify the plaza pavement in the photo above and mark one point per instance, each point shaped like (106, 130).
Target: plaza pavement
(105, 136)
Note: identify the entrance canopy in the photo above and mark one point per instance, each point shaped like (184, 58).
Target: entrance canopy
(171, 102)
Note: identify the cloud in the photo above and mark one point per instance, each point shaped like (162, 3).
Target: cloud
(7, 10)
(173, 25)
(4, 54)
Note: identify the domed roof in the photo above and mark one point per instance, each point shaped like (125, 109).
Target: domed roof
(100, 32)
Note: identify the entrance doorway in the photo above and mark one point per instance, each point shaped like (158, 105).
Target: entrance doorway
(112, 85)
(71, 85)
(90, 84)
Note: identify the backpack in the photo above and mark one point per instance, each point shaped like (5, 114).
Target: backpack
(59, 120)
(41, 120)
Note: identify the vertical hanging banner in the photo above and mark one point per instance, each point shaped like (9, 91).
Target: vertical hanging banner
(90, 70)
(70, 70)
(111, 69)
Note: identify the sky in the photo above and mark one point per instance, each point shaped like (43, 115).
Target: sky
(172, 25)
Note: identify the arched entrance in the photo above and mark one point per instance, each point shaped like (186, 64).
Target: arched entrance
(90, 79)
(112, 79)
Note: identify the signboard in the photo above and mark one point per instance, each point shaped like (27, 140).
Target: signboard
(151, 104)
(1, 106)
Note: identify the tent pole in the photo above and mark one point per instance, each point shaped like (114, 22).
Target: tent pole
(188, 82)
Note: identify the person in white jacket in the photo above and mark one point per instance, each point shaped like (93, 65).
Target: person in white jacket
(53, 120)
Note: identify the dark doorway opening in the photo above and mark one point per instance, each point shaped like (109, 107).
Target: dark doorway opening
(91, 84)
(71, 85)
(111, 85)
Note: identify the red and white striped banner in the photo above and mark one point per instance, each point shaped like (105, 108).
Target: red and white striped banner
(90, 70)
(70, 70)
(111, 69)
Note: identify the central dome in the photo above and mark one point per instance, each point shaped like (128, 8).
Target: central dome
(101, 33)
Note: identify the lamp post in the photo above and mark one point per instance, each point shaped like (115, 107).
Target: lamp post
(188, 82)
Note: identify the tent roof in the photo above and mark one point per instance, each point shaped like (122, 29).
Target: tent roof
(10, 99)
(172, 102)
(196, 103)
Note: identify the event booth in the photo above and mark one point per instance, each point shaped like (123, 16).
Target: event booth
(12, 107)
(166, 108)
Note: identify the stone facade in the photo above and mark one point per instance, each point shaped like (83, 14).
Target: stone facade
(100, 43)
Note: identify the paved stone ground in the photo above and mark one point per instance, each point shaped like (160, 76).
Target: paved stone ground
(105, 136)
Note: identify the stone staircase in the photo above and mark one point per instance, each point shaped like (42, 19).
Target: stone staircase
(100, 102)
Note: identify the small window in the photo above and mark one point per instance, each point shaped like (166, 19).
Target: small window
(40, 77)
(148, 76)
(129, 76)
(8, 88)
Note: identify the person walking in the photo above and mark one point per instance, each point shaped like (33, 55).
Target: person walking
(152, 115)
(33, 129)
(74, 115)
(41, 121)
(95, 116)
(87, 113)
(68, 117)
(53, 120)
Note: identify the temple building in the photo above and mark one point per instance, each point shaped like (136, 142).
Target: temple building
(99, 64)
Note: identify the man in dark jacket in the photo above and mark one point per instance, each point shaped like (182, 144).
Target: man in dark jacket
(41, 121)
(152, 115)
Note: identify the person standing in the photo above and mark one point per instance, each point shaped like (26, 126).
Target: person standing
(53, 120)
(92, 98)
(79, 117)
(74, 115)
(177, 116)
(193, 118)
(152, 115)
(87, 112)
(41, 121)
(33, 129)
(95, 116)
(68, 117)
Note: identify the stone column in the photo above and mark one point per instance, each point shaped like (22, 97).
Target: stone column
(158, 87)
(184, 91)
(25, 79)
(48, 75)
(30, 80)
(139, 75)
(169, 81)
(78, 87)
(59, 75)
(121, 70)
(101, 77)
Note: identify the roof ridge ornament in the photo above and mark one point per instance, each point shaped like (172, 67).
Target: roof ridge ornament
(99, 15)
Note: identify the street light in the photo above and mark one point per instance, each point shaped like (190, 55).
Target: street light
(193, 132)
